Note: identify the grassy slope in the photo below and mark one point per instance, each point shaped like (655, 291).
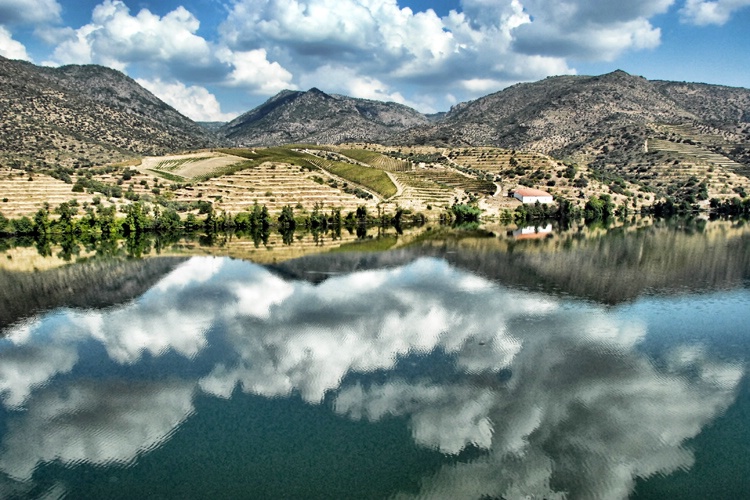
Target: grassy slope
(371, 178)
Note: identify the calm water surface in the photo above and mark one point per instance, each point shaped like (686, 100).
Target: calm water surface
(470, 367)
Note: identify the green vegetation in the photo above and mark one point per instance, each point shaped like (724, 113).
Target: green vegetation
(599, 208)
(368, 177)
(169, 176)
(732, 206)
(362, 155)
(539, 211)
(94, 186)
(465, 213)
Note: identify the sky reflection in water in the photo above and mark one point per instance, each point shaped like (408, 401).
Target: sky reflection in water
(560, 395)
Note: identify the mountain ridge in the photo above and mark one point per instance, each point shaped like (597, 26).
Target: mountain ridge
(81, 115)
(77, 115)
(314, 116)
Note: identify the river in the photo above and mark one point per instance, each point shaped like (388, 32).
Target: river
(585, 363)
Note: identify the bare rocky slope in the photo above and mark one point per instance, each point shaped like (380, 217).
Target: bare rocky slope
(316, 117)
(78, 115)
(570, 114)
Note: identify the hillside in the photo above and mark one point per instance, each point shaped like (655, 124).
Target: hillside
(667, 137)
(639, 141)
(555, 115)
(317, 117)
(76, 116)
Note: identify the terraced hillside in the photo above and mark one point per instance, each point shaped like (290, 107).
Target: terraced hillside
(420, 193)
(274, 185)
(373, 180)
(377, 160)
(25, 193)
(686, 162)
(497, 160)
(425, 177)
(381, 178)
(692, 152)
(190, 166)
(708, 144)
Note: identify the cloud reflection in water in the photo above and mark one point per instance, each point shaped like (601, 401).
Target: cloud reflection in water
(582, 412)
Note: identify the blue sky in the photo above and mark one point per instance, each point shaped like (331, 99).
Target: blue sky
(214, 59)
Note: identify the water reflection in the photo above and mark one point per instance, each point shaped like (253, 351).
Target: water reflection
(532, 232)
(557, 394)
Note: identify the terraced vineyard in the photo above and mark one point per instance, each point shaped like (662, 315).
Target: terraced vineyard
(430, 185)
(703, 134)
(723, 176)
(274, 185)
(696, 154)
(373, 179)
(172, 165)
(378, 160)
(450, 178)
(420, 193)
(495, 160)
(23, 193)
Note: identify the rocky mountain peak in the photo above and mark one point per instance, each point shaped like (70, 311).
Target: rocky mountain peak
(315, 116)
(79, 115)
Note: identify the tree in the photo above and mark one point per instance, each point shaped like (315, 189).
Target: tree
(65, 223)
(286, 219)
(5, 227)
(599, 208)
(167, 221)
(135, 219)
(41, 222)
(23, 226)
(107, 222)
(361, 214)
(465, 213)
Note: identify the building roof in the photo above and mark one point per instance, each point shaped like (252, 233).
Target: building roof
(531, 192)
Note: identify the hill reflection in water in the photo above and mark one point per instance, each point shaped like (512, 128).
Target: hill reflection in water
(513, 391)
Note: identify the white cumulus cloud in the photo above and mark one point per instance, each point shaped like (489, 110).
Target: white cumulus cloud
(10, 48)
(29, 11)
(345, 80)
(377, 49)
(253, 70)
(718, 12)
(115, 38)
(589, 29)
(194, 101)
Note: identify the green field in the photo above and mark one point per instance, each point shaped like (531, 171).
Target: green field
(371, 178)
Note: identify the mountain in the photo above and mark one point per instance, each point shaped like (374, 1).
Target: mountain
(79, 115)
(563, 115)
(316, 117)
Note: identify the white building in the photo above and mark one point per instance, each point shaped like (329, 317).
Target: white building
(529, 195)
